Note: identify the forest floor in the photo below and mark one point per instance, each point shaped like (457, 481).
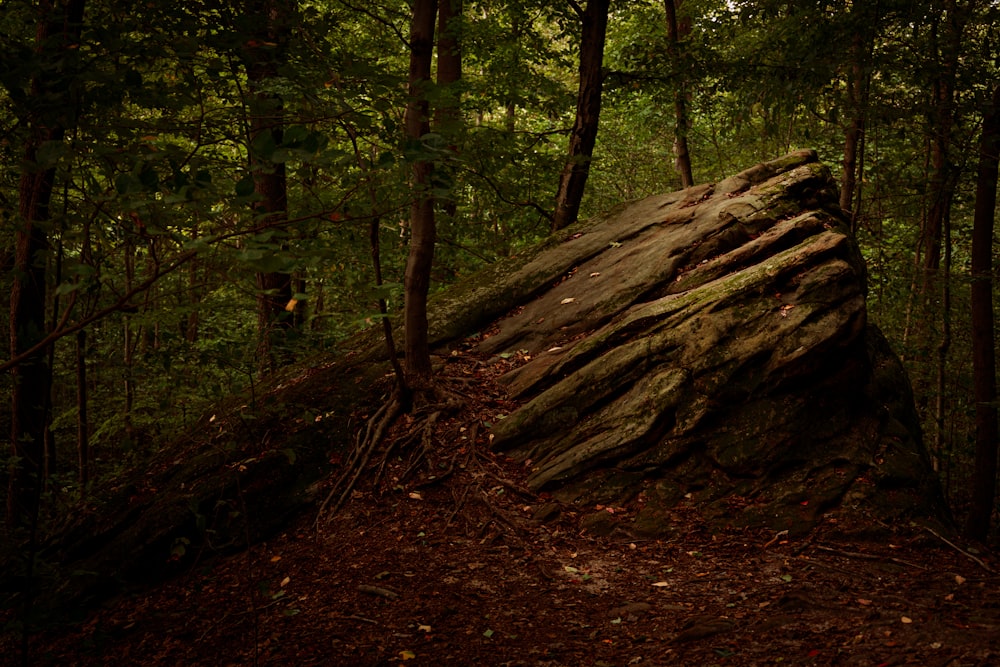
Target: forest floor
(468, 567)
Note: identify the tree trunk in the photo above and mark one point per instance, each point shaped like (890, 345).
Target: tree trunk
(854, 133)
(588, 114)
(416, 281)
(943, 181)
(32, 378)
(263, 56)
(449, 63)
(448, 115)
(681, 124)
(983, 340)
(82, 428)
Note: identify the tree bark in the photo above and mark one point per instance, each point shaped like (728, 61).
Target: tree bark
(82, 427)
(573, 180)
(263, 56)
(983, 339)
(416, 280)
(32, 378)
(943, 181)
(448, 114)
(674, 31)
(854, 133)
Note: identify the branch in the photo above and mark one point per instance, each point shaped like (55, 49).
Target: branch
(959, 549)
(500, 196)
(577, 8)
(122, 303)
(391, 26)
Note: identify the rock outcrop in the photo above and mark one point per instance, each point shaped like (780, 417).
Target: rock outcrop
(708, 347)
(711, 346)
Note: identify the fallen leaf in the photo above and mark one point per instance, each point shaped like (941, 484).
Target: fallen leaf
(568, 299)
(906, 619)
(595, 274)
(959, 579)
(488, 633)
(863, 602)
(407, 655)
(424, 628)
(285, 581)
(662, 583)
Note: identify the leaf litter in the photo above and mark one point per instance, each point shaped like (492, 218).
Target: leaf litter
(452, 571)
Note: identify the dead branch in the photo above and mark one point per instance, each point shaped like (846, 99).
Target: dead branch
(960, 550)
(864, 556)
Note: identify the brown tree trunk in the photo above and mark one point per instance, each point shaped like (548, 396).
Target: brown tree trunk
(32, 378)
(675, 30)
(983, 340)
(573, 180)
(854, 133)
(448, 114)
(82, 428)
(416, 280)
(449, 62)
(943, 181)
(936, 287)
(263, 55)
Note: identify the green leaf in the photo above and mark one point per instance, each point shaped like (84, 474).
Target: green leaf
(244, 187)
(263, 145)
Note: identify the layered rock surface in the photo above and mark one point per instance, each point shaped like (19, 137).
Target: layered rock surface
(711, 346)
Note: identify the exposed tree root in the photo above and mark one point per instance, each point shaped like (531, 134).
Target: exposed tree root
(374, 431)
(426, 414)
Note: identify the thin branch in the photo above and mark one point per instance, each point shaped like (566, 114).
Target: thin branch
(501, 197)
(386, 22)
(959, 549)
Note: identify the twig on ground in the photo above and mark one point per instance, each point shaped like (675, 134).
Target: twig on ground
(864, 556)
(959, 549)
(354, 617)
(378, 591)
(777, 536)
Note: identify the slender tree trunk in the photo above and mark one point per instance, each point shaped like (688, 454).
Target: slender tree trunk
(82, 429)
(573, 181)
(416, 280)
(675, 30)
(32, 378)
(983, 340)
(510, 108)
(449, 63)
(934, 291)
(448, 114)
(943, 181)
(263, 56)
(131, 342)
(854, 133)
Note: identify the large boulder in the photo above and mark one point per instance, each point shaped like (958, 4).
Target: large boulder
(708, 347)
(711, 346)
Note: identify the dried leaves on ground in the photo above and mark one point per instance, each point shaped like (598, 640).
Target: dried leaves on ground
(441, 555)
